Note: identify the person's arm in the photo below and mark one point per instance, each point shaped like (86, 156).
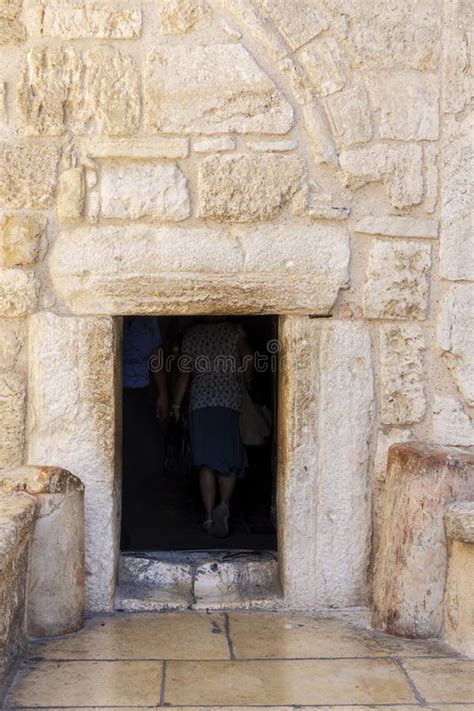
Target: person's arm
(182, 383)
(159, 377)
(246, 355)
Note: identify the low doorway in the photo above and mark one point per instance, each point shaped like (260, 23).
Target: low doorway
(163, 510)
(325, 410)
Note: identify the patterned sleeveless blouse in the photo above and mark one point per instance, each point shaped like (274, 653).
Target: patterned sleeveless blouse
(214, 355)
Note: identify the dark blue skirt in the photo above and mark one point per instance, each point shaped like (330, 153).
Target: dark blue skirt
(215, 440)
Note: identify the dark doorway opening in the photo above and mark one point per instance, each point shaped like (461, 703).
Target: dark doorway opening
(163, 510)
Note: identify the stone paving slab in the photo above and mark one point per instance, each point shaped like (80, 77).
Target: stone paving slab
(235, 661)
(352, 707)
(47, 684)
(283, 682)
(143, 636)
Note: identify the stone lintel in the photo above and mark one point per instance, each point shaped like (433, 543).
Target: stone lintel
(143, 269)
(39, 480)
(459, 521)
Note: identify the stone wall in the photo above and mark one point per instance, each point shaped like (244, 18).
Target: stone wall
(191, 156)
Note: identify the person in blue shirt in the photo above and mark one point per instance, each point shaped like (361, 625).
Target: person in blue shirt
(145, 408)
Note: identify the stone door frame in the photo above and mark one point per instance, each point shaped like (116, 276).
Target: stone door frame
(325, 409)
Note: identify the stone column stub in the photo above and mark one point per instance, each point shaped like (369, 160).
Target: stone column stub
(412, 557)
(56, 573)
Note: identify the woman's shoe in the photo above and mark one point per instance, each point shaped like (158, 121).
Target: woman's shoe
(220, 516)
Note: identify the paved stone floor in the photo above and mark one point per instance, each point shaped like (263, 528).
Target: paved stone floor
(240, 659)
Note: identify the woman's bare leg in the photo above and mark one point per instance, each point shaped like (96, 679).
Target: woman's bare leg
(221, 512)
(207, 481)
(226, 487)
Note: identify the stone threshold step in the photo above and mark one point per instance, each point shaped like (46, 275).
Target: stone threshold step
(173, 580)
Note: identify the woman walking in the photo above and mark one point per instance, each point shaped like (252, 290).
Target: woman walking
(217, 356)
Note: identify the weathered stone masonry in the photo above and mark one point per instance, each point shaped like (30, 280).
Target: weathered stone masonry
(241, 156)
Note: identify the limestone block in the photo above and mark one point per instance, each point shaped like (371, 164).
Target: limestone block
(62, 88)
(346, 396)
(457, 198)
(260, 29)
(385, 439)
(326, 64)
(397, 282)
(157, 571)
(326, 377)
(218, 583)
(10, 8)
(319, 130)
(243, 188)
(423, 12)
(299, 22)
(318, 359)
(71, 421)
(93, 206)
(76, 19)
(18, 292)
(411, 562)
(381, 43)
(408, 103)
(214, 145)
(16, 522)
(211, 89)
(402, 374)
(11, 342)
(397, 226)
(273, 146)
(326, 207)
(20, 238)
(146, 269)
(430, 151)
(458, 599)
(460, 14)
(398, 166)
(12, 417)
(55, 599)
(12, 30)
(3, 103)
(136, 147)
(350, 114)
(27, 175)
(451, 424)
(458, 85)
(456, 337)
(179, 16)
(158, 191)
(71, 195)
